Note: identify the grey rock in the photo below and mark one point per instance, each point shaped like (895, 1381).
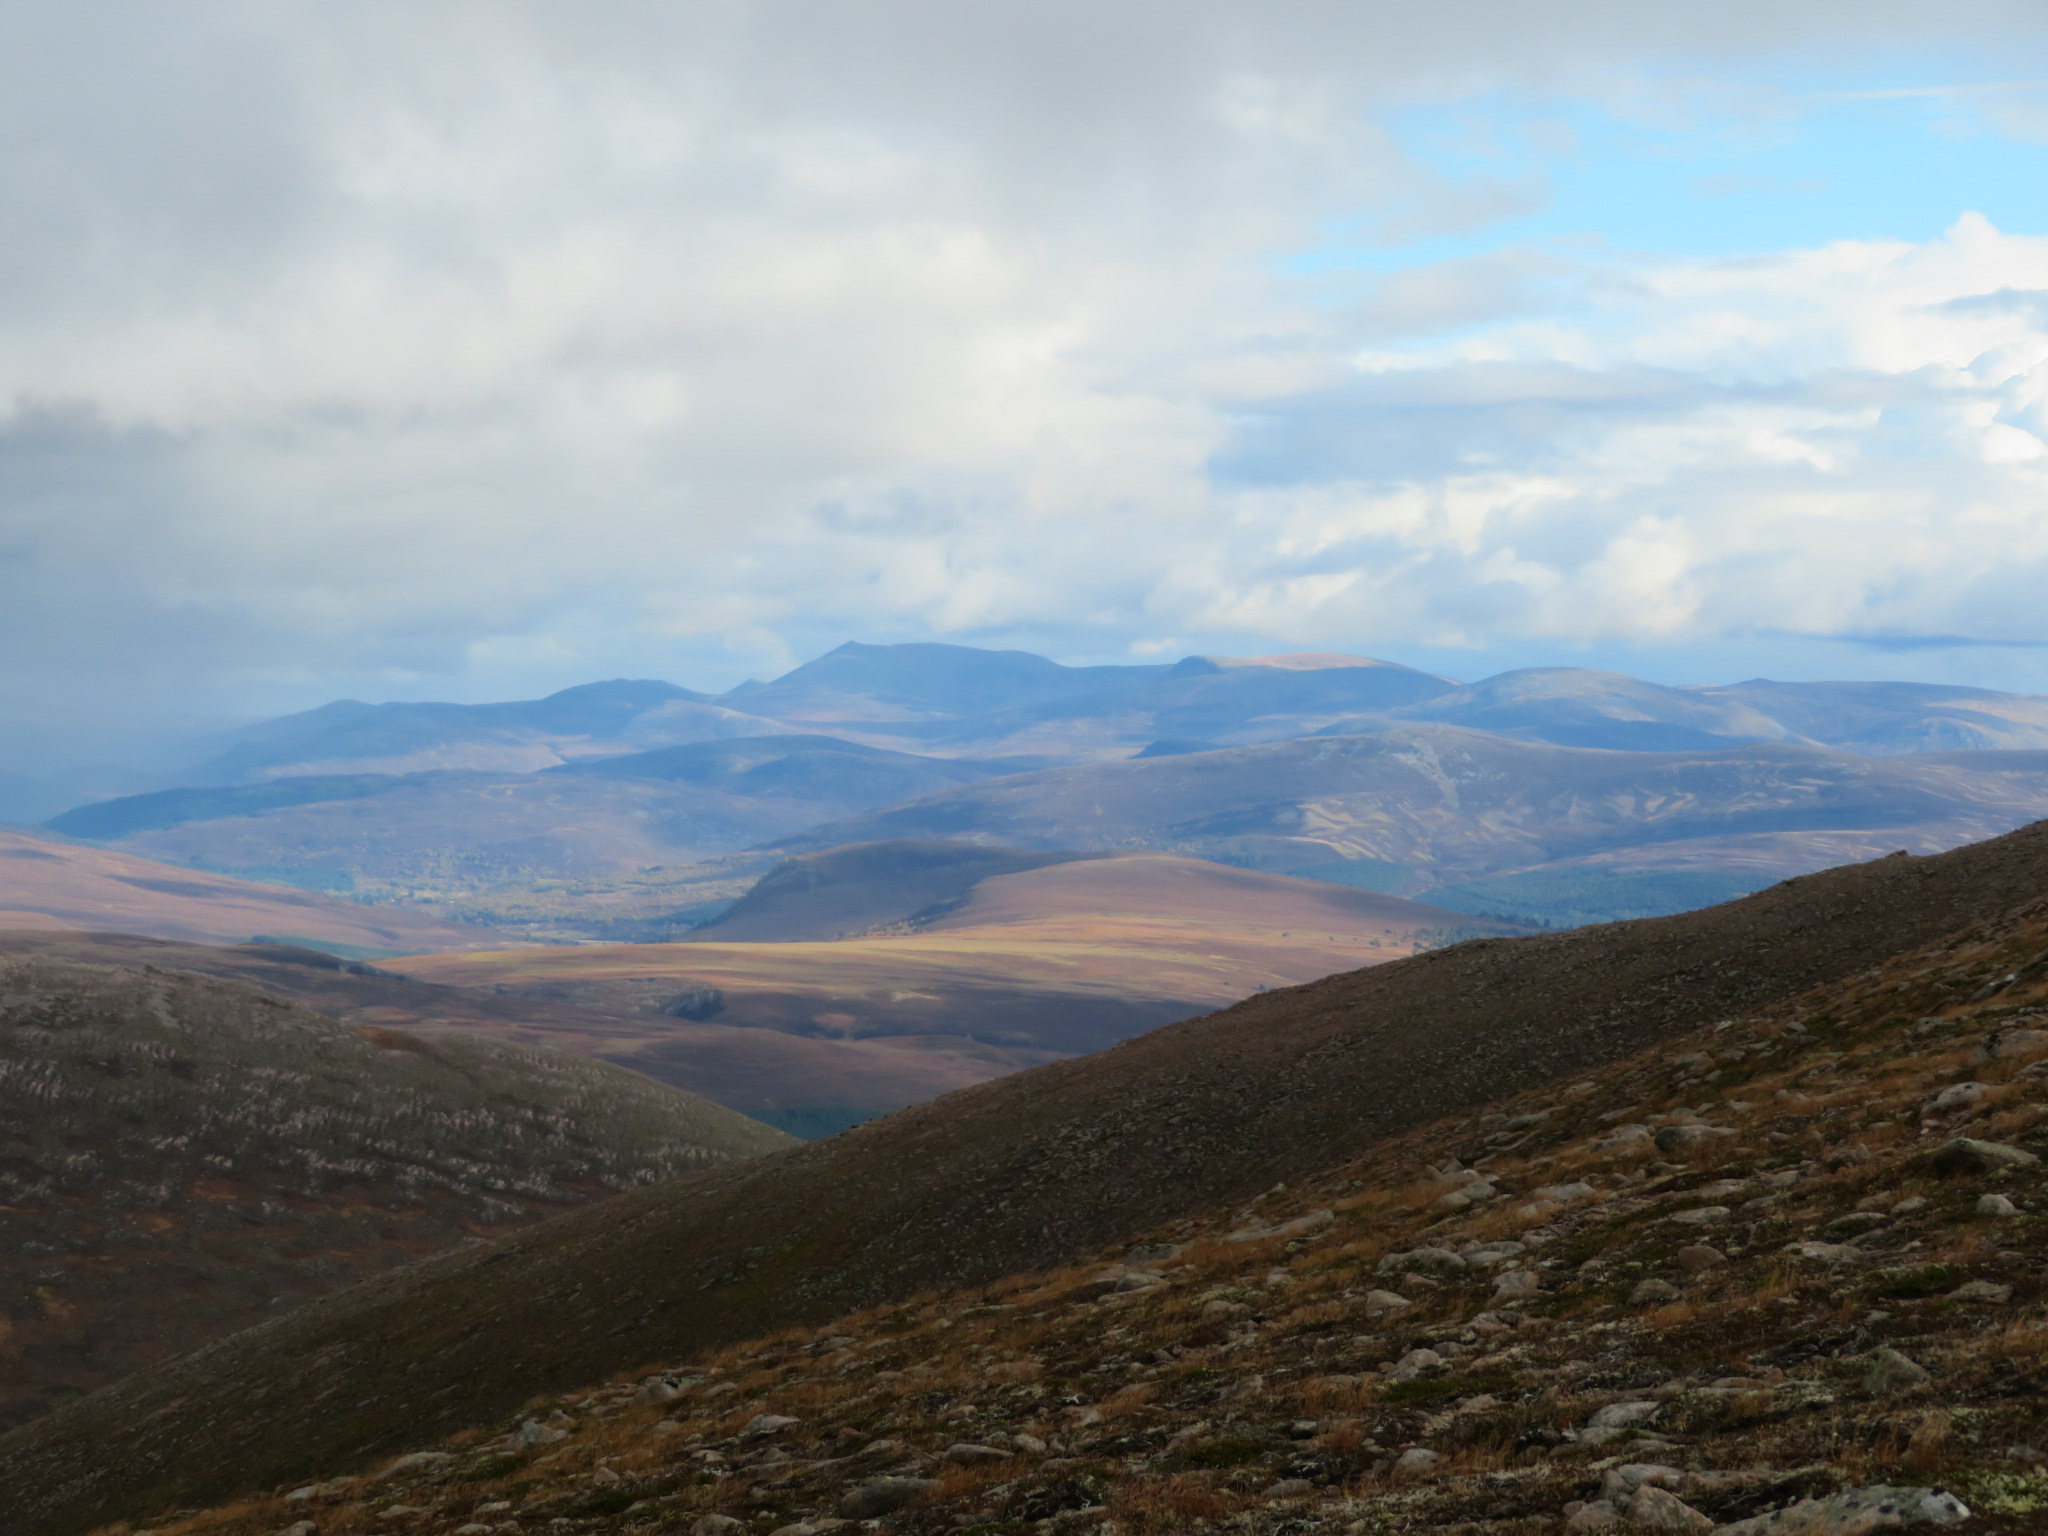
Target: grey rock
(1289, 1488)
(1996, 1205)
(1652, 1291)
(533, 1433)
(1674, 1139)
(1656, 1509)
(1859, 1512)
(1517, 1285)
(1826, 1253)
(1563, 1194)
(1598, 1515)
(1698, 1258)
(1028, 1443)
(1889, 1371)
(963, 1454)
(1987, 1292)
(1619, 1484)
(881, 1495)
(1966, 1155)
(1957, 1096)
(1380, 1303)
(1421, 1260)
(1416, 1362)
(1615, 1420)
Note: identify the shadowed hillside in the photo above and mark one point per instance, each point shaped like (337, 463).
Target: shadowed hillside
(1034, 1170)
(182, 1156)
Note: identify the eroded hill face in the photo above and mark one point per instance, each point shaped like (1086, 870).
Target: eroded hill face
(1780, 1277)
(1036, 1170)
(181, 1157)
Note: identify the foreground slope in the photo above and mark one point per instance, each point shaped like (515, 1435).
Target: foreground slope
(182, 1156)
(48, 884)
(1784, 1280)
(1033, 1170)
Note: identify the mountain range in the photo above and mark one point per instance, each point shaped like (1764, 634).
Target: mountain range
(638, 810)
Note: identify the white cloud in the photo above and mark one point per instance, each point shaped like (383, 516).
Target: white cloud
(504, 342)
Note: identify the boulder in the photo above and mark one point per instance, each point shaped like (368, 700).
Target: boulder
(1957, 1096)
(875, 1497)
(1675, 1139)
(1889, 1371)
(1380, 1303)
(1996, 1205)
(1698, 1258)
(1413, 1364)
(1859, 1512)
(1966, 1155)
(1983, 1292)
(1421, 1260)
(1598, 1515)
(1615, 1420)
(1655, 1509)
(963, 1454)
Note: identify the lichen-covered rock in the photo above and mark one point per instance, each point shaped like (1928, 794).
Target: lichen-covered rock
(1858, 1512)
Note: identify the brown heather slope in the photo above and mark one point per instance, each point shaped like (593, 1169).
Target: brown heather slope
(790, 1081)
(182, 1156)
(1036, 1169)
(47, 884)
(1760, 1255)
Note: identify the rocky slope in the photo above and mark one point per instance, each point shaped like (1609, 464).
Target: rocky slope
(1782, 1277)
(1025, 1173)
(182, 1156)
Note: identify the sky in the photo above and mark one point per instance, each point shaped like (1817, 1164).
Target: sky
(469, 351)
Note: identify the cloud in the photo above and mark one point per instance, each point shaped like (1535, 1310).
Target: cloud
(474, 348)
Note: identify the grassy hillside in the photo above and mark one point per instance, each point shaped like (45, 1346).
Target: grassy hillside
(1768, 1275)
(182, 1156)
(48, 884)
(1039, 1169)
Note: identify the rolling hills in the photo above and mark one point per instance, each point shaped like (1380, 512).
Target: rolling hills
(48, 884)
(1015, 968)
(1038, 1169)
(182, 1156)
(1428, 806)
